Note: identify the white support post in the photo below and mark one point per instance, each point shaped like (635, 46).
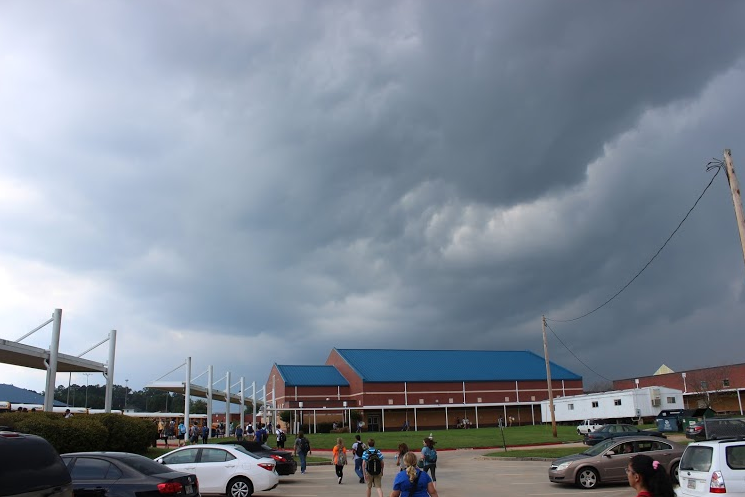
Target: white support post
(110, 372)
(52, 365)
(227, 404)
(253, 404)
(209, 398)
(187, 393)
(382, 418)
(477, 416)
(243, 406)
(447, 422)
(416, 425)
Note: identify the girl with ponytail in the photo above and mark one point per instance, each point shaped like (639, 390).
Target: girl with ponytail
(648, 477)
(412, 482)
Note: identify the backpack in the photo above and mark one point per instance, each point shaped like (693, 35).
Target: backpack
(341, 457)
(182, 428)
(374, 464)
(431, 456)
(304, 445)
(360, 449)
(282, 437)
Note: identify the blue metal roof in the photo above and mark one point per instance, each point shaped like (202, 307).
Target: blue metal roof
(16, 395)
(311, 376)
(421, 366)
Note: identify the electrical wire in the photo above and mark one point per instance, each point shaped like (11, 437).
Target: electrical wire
(575, 355)
(714, 164)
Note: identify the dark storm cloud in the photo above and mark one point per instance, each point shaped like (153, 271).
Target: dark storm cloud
(301, 176)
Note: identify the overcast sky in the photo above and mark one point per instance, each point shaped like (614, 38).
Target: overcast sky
(250, 183)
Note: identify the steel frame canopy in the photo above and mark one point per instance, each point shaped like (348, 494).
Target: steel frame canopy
(51, 360)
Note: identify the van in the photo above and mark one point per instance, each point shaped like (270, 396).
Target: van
(31, 467)
(713, 466)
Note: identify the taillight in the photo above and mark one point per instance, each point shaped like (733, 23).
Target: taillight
(171, 487)
(278, 458)
(266, 466)
(717, 483)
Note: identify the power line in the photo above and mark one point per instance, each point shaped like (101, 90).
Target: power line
(575, 355)
(711, 165)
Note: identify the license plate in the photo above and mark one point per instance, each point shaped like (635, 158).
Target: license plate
(189, 489)
(691, 483)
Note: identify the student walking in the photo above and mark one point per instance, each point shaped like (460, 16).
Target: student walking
(358, 448)
(340, 458)
(403, 449)
(302, 449)
(373, 467)
(429, 456)
(412, 480)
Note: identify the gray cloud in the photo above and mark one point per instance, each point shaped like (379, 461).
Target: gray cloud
(250, 184)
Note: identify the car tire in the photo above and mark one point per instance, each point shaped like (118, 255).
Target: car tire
(587, 478)
(239, 487)
(674, 471)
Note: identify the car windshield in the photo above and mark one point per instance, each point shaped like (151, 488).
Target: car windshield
(239, 448)
(600, 448)
(144, 465)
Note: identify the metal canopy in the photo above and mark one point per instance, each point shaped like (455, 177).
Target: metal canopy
(26, 356)
(196, 391)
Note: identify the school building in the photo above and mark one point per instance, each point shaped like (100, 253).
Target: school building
(424, 389)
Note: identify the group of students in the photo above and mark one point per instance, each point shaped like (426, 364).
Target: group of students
(413, 474)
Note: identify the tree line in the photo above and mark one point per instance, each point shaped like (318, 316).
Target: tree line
(147, 399)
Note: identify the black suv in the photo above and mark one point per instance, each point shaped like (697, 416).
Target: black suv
(31, 467)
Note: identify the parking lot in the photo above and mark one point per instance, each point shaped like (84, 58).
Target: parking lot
(462, 473)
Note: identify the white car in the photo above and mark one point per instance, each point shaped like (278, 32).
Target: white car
(224, 469)
(588, 426)
(713, 467)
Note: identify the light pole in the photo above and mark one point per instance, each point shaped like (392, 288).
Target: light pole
(126, 389)
(87, 375)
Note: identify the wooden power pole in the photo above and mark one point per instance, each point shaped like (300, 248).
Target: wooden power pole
(734, 187)
(548, 378)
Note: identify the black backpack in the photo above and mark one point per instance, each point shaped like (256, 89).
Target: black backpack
(374, 464)
(304, 445)
(360, 449)
(282, 437)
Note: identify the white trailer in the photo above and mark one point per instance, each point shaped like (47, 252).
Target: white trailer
(614, 406)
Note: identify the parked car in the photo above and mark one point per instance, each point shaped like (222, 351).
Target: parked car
(606, 462)
(286, 463)
(587, 426)
(120, 474)
(224, 469)
(31, 467)
(716, 428)
(617, 430)
(713, 467)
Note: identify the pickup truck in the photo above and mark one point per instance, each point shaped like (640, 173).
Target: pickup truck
(588, 426)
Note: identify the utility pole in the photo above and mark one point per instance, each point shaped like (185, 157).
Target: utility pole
(734, 187)
(548, 379)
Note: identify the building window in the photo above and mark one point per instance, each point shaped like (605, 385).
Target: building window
(532, 398)
(704, 385)
(450, 400)
(595, 403)
(390, 402)
(616, 402)
(478, 399)
(571, 407)
(671, 400)
(506, 399)
(725, 382)
(421, 401)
